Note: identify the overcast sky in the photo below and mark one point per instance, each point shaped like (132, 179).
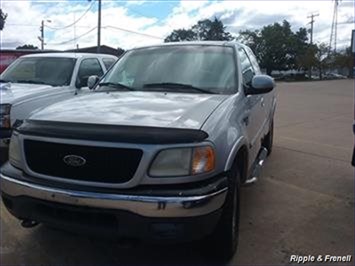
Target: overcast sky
(129, 24)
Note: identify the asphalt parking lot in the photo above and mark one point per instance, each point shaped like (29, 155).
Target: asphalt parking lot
(303, 203)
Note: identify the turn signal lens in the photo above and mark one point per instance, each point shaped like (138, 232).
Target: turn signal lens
(15, 150)
(203, 160)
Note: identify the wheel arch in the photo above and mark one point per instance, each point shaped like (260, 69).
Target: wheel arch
(239, 155)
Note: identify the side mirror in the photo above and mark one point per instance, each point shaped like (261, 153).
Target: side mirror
(261, 84)
(81, 82)
(92, 81)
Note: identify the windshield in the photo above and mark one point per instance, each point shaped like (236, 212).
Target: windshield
(183, 68)
(53, 71)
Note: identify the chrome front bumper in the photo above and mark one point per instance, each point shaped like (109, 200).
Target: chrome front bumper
(148, 206)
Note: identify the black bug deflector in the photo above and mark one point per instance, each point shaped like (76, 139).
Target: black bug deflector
(111, 133)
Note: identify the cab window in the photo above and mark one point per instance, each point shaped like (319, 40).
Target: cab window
(87, 68)
(253, 60)
(247, 67)
(108, 62)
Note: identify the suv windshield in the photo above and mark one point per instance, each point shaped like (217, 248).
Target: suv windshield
(53, 71)
(182, 68)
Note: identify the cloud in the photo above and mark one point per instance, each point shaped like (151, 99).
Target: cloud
(135, 3)
(25, 16)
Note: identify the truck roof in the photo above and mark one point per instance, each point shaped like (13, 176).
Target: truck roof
(69, 55)
(213, 43)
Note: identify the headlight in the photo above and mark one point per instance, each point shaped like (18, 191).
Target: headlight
(5, 115)
(15, 150)
(183, 162)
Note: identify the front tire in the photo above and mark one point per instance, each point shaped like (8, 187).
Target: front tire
(223, 242)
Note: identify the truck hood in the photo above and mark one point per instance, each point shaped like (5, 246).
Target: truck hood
(151, 109)
(13, 92)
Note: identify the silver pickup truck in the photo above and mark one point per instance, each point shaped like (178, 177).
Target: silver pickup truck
(158, 151)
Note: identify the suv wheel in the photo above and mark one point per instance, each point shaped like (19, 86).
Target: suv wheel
(269, 139)
(222, 244)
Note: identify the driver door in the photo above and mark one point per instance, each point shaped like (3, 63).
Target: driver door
(253, 117)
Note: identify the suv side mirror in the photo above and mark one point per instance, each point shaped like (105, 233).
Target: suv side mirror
(261, 84)
(92, 81)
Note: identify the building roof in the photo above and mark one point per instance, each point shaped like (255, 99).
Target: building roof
(104, 49)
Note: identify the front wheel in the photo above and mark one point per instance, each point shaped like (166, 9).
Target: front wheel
(222, 244)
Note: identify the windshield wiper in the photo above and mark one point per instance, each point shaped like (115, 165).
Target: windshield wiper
(116, 85)
(171, 85)
(29, 81)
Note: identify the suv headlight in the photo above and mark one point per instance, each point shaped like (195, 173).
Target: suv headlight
(183, 162)
(5, 115)
(15, 150)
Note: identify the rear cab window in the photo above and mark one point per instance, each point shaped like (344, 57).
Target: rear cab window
(108, 62)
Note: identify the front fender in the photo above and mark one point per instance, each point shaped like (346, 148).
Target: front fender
(240, 142)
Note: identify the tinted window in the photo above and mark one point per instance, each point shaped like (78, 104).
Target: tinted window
(210, 68)
(247, 69)
(88, 67)
(108, 62)
(47, 70)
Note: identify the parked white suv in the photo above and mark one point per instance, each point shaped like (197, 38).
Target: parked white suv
(38, 80)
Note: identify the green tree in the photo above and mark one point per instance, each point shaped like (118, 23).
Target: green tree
(27, 47)
(3, 17)
(181, 35)
(306, 59)
(206, 30)
(345, 59)
(300, 48)
(276, 46)
(323, 60)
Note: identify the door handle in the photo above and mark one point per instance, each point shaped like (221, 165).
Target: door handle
(262, 102)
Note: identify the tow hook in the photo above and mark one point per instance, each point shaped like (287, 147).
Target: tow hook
(28, 223)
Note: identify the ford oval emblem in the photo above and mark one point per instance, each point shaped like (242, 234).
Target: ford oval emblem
(74, 160)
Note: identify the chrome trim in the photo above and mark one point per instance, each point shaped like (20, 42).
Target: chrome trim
(139, 178)
(149, 206)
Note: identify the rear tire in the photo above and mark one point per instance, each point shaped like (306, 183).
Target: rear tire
(223, 242)
(269, 139)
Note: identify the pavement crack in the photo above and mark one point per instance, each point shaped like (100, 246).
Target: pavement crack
(328, 197)
(308, 122)
(313, 154)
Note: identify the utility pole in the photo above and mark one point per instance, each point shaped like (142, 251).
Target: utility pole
(311, 40)
(99, 28)
(312, 22)
(42, 33)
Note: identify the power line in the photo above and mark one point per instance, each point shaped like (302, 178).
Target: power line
(74, 39)
(76, 21)
(134, 32)
(113, 27)
(29, 25)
